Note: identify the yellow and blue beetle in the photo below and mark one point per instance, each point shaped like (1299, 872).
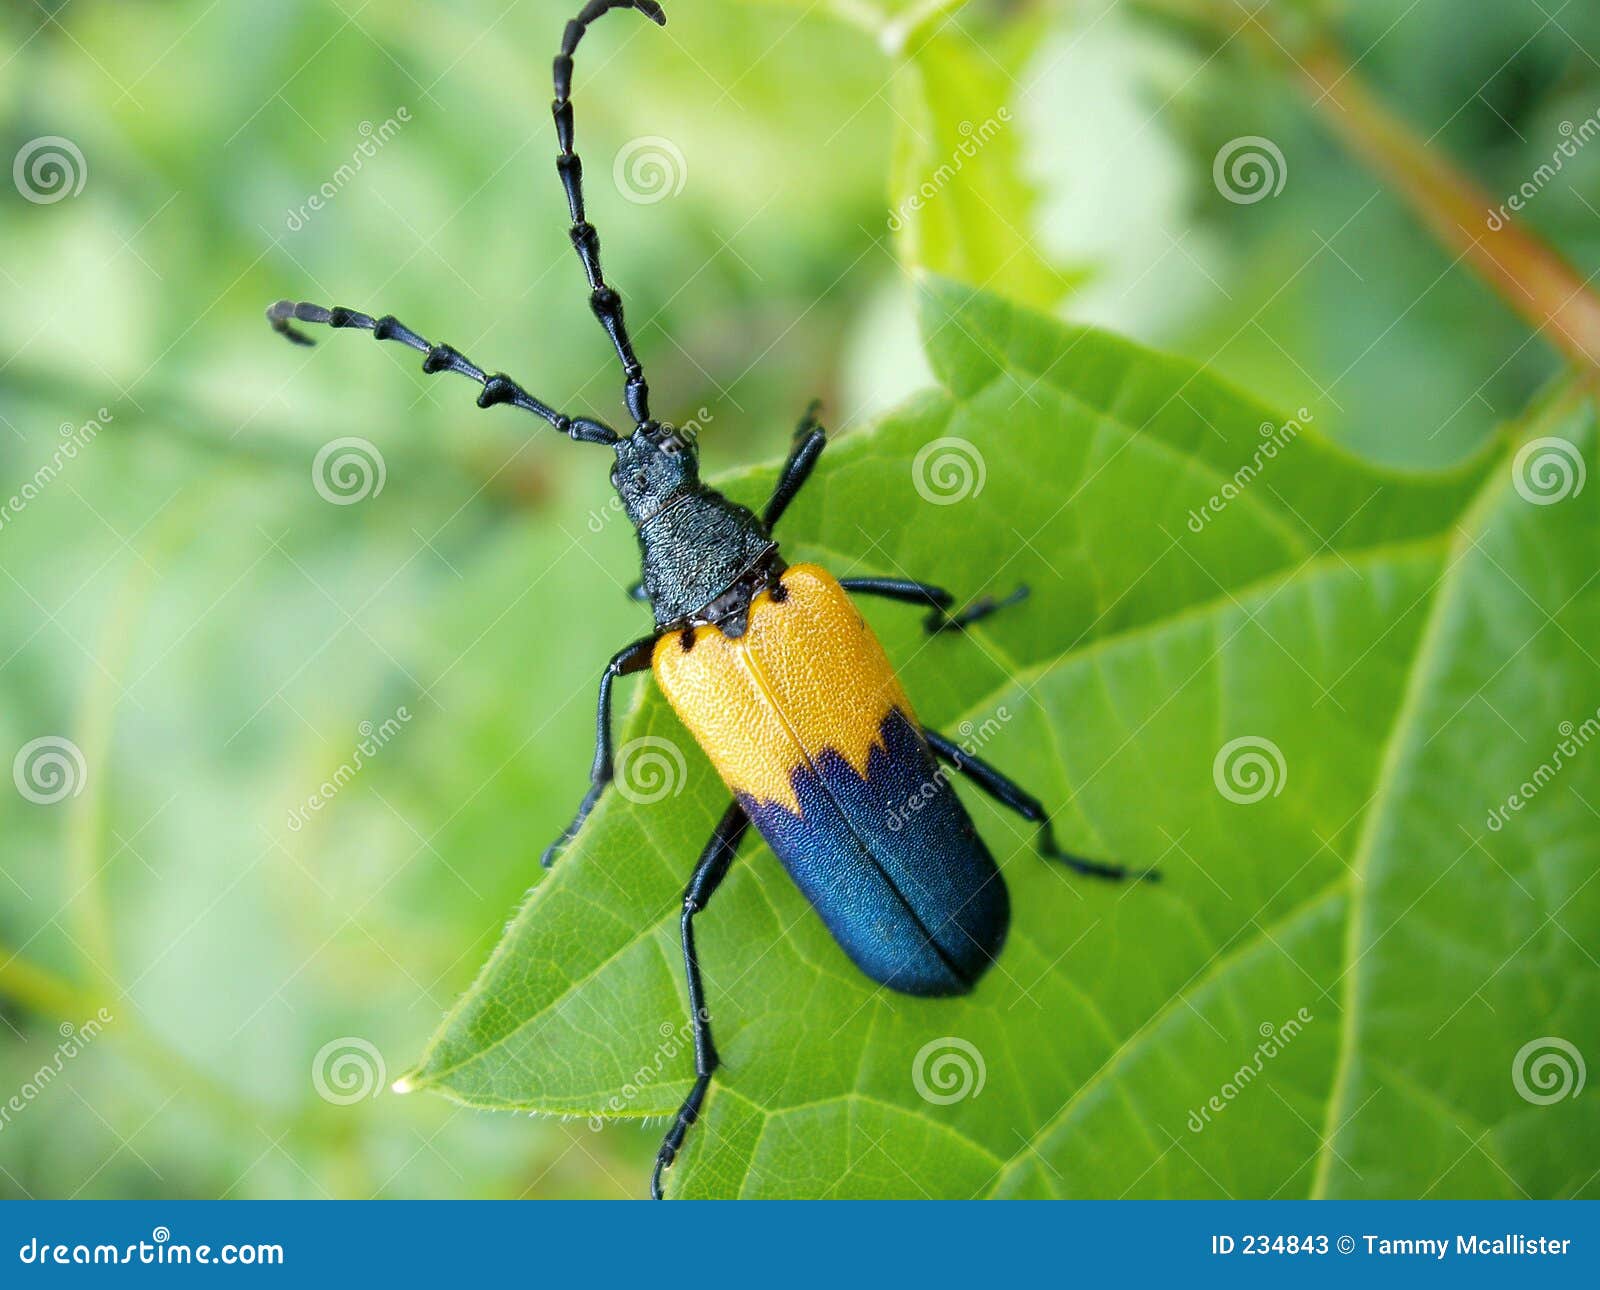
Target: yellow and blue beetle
(778, 678)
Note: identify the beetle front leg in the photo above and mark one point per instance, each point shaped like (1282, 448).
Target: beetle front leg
(709, 872)
(809, 441)
(1011, 794)
(938, 600)
(631, 658)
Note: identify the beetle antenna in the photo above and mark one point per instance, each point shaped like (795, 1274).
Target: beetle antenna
(603, 299)
(498, 388)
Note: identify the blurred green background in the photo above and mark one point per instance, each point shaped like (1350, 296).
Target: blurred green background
(182, 604)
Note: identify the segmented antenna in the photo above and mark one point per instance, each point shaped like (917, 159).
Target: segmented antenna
(498, 388)
(603, 299)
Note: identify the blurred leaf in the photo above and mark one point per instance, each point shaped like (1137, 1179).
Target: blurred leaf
(1334, 614)
(959, 203)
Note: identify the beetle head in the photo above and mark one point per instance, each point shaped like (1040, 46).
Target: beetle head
(654, 464)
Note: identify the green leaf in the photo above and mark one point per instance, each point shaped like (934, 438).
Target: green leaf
(1348, 965)
(960, 205)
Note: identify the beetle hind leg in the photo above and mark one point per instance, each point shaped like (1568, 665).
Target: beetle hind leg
(1011, 794)
(709, 872)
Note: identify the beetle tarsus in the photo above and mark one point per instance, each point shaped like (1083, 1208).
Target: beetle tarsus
(941, 620)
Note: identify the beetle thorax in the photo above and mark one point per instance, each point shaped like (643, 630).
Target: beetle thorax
(703, 556)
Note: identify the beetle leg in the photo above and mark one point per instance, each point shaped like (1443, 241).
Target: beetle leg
(497, 388)
(1009, 793)
(709, 872)
(809, 441)
(939, 618)
(627, 660)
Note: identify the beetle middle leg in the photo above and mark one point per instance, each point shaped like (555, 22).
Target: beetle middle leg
(1009, 793)
(938, 600)
(709, 872)
(627, 660)
(809, 441)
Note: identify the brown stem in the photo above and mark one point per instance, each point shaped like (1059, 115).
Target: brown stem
(1528, 274)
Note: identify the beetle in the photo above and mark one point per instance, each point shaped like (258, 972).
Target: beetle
(777, 677)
